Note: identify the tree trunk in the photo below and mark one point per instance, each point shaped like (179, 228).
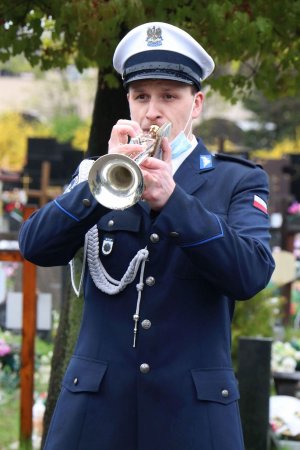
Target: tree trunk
(110, 105)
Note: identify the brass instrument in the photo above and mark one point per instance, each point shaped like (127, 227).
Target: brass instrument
(116, 180)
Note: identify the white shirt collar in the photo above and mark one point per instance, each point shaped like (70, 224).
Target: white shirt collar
(176, 163)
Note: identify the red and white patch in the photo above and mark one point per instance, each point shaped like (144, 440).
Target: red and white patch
(259, 203)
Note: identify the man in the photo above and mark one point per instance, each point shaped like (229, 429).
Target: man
(152, 368)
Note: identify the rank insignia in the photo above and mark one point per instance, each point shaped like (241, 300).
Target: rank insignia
(154, 37)
(107, 245)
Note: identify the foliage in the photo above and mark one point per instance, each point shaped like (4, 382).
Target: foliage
(10, 414)
(14, 132)
(255, 317)
(285, 147)
(81, 136)
(274, 121)
(64, 127)
(253, 43)
(9, 383)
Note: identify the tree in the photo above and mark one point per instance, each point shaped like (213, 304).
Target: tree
(15, 129)
(255, 44)
(277, 120)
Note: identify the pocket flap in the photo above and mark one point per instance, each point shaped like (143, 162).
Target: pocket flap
(216, 385)
(84, 375)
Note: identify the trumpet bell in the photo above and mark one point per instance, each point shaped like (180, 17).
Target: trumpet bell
(116, 181)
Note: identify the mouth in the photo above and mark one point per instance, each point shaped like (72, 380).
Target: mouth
(146, 130)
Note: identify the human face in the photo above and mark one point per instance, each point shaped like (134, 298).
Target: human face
(154, 102)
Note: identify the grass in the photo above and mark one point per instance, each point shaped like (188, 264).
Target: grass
(10, 419)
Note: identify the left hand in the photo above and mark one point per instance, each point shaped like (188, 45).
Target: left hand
(158, 178)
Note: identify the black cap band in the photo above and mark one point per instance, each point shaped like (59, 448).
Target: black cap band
(162, 64)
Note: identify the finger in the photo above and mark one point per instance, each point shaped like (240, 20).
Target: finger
(130, 123)
(120, 132)
(131, 150)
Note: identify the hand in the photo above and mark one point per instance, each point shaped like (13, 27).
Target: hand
(119, 136)
(158, 178)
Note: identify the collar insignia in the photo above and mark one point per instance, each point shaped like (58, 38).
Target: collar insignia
(154, 37)
(205, 161)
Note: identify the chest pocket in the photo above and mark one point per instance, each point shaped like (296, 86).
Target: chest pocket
(120, 238)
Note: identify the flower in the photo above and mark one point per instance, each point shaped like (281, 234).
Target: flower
(294, 208)
(4, 348)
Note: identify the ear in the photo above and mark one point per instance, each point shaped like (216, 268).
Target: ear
(198, 103)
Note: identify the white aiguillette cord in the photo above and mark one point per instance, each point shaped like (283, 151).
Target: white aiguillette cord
(102, 280)
(109, 285)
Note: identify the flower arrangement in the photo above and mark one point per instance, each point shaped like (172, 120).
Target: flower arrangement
(285, 356)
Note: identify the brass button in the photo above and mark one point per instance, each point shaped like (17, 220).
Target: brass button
(146, 324)
(154, 238)
(225, 393)
(75, 381)
(174, 234)
(86, 202)
(150, 281)
(110, 223)
(144, 368)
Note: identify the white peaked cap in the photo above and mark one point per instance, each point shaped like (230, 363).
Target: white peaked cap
(163, 51)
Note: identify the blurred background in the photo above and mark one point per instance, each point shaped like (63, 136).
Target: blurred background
(59, 98)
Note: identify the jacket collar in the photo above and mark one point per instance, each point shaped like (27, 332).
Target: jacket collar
(199, 162)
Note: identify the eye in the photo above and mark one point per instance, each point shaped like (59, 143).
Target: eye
(141, 97)
(169, 96)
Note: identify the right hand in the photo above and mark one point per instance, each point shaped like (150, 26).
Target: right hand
(118, 142)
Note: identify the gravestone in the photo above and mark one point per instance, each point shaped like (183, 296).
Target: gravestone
(14, 311)
(254, 375)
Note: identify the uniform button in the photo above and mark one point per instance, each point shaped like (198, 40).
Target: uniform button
(86, 202)
(225, 393)
(174, 234)
(150, 281)
(146, 324)
(75, 381)
(154, 238)
(110, 223)
(144, 368)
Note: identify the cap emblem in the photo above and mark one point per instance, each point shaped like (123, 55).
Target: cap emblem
(154, 37)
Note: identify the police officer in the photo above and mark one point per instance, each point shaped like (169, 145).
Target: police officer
(152, 366)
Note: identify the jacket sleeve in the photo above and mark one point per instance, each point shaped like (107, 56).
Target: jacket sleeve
(54, 233)
(231, 251)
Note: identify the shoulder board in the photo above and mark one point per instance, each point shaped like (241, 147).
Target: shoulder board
(237, 159)
(91, 158)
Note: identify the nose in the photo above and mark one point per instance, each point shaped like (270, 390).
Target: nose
(153, 112)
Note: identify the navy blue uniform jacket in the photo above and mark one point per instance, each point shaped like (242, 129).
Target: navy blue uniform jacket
(210, 248)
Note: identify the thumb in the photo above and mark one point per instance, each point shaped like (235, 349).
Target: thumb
(166, 150)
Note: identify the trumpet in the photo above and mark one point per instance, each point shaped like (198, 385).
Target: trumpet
(116, 180)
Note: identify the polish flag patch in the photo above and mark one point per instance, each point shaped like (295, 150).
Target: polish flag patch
(259, 203)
